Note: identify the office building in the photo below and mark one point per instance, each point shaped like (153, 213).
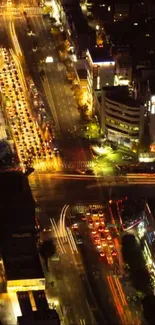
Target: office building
(123, 66)
(35, 310)
(17, 206)
(102, 66)
(39, 318)
(122, 117)
(22, 264)
(82, 35)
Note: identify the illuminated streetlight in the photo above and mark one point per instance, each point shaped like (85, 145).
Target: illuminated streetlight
(49, 59)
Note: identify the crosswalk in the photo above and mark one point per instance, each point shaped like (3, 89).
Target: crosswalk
(78, 164)
(18, 11)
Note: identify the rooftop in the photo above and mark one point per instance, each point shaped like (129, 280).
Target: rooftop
(101, 54)
(21, 259)
(50, 317)
(120, 94)
(17, 204)
(76, 17)
(82, 73)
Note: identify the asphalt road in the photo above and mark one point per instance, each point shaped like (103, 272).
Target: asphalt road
(62, 102)
(70, 289)
(51, 193)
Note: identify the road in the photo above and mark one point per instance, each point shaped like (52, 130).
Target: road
(52, 193)
(100, 255)
(54, 89)
(62, 101)
(67, 282)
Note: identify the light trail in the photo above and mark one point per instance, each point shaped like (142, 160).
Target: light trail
(120, 259)
(61, 222)
(91, 314)
(72, 241)
(119, 287)
(64, 220)
(14, 38)
(20, 71)
(56, 231)
(50, 100)
(58, 235)
(116, 299)
(69, 241)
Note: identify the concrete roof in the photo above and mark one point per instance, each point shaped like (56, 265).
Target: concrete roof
(21, 259)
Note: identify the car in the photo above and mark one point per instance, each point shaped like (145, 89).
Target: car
(113, 253)
(83, 217)
(102, 254)
(88, 213)
(95, 213)
(111, 245)
(127, 157)
(89, 172)
(90, 222)
(100, 229)
(34, 46)
(75, 226)
(96, 239)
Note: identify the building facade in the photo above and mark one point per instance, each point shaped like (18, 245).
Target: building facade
(102, 67)
(122, 117)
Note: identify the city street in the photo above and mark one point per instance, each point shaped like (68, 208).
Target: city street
(68, 288)
(61, 101)
(86, 275)
(52, 193)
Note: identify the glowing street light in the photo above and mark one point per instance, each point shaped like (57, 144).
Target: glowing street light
(49, 59)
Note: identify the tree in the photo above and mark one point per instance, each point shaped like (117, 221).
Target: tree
(47, 10)
(146, 139)
(142, 281)
(133, 256)
(148, 304)
(47, 249)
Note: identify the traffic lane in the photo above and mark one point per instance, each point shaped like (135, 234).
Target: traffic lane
(26, 45)
(67, 278)
(66, 108)
(60, 90)
(4, 32)
(97, 277)
(57, 78)
(126, 313)
(60, 290)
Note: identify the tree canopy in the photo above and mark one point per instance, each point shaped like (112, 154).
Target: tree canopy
(47, 249)
(149, 309)
(133, 256)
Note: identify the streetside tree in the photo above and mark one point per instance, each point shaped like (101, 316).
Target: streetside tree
(47, 249)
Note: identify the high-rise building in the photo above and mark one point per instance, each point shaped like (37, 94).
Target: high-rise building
(122, 117)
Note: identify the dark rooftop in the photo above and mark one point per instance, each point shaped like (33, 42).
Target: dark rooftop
(101, 54)
(17, 204)
(82, 73)
(120, 94)
(50, 317)
(21, 259)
